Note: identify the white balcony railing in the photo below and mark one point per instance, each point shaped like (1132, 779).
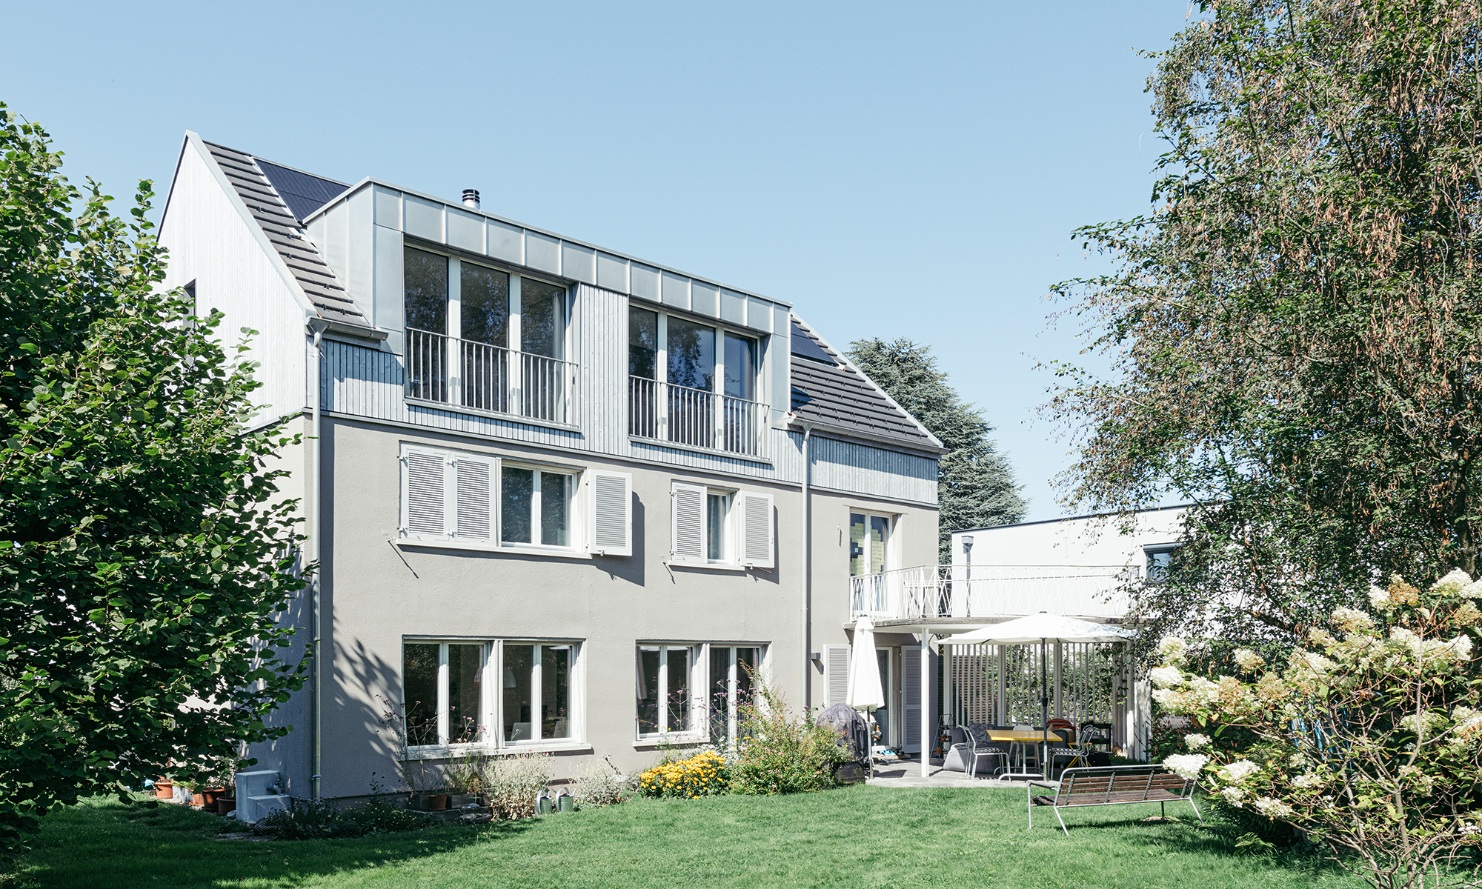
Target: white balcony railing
(489, 378)
(695, 417)
(934, 592)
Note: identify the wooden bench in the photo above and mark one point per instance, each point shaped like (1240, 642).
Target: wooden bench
(1111, 786)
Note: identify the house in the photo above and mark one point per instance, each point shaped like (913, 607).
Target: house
(1080, 567)
(562, 499)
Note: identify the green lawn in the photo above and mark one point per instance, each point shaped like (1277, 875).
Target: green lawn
(858, 836)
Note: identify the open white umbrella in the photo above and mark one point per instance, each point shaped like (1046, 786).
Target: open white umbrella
(1043, 628)
(865, 693)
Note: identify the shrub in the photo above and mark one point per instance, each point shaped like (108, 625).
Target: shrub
(1367, 741)
(600, 785)
(309, 820)
(781, 753)
(703, 774)
(510, 784)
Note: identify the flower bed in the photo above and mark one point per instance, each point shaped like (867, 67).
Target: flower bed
(703, 774)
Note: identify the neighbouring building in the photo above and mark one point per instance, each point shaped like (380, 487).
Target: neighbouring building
(562, 499)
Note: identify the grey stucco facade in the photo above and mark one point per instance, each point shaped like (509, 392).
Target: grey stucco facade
(584, 616)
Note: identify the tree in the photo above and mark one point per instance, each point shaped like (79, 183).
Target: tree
(144, 551)
(1295, 326)
(1367, 739)
(975, 487)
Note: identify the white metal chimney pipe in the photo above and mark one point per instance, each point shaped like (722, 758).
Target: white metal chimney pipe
(471, 198)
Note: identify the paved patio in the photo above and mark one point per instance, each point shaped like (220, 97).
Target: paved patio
(907, 773)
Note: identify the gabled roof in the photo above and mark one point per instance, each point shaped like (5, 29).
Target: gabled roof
(278, 198)
(828, 389)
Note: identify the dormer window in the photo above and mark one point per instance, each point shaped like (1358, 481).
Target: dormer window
(485, 339)
(693, 384)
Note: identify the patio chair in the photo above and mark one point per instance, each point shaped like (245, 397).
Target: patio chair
(971, 747)
(1030, 751)
(1096, 739)
(1071, 747)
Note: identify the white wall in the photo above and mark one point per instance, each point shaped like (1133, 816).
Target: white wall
(1092, 541)
(210, 243)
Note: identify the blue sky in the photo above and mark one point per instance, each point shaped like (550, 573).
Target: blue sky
(891, 170)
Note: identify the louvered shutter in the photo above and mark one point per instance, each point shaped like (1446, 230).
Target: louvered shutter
(756, 530)
(688, 523)
(425, 507)
(911, 697)
(474, 498)
(611, 531)
(835, 674)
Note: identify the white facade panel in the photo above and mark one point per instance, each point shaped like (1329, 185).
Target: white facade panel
(424, 219)
(465, 231)
(213, 245)
(542, 253)
(506, 242)
(579, 263)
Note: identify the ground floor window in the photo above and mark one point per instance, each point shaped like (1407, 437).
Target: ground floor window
(733, 673)
(665, 678)
(449, 698)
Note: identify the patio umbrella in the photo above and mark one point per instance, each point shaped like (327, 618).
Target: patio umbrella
(1043, 628)
(865, 693)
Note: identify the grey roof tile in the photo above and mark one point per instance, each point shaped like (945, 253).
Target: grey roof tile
(278, 214)
(828, 389)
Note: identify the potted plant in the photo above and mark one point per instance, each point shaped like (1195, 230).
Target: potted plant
(164, 789)
(225, 805)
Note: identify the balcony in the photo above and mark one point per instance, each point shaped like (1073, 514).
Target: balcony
(695, 418)
(490, 379)
(946, 592)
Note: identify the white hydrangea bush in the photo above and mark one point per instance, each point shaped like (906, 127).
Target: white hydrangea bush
(1368, 739)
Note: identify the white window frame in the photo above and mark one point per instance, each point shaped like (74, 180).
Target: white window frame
(514, 341)
(891, 522)
(1148, 553)
(574, 540)
(718, 377)
(697, 731)
(491, 717)
(732, 677)
(734, 536)
(575, 730)
(585, 486)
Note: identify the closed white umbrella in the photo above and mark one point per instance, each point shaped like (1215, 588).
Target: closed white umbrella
(865, 693)
(1043, 628)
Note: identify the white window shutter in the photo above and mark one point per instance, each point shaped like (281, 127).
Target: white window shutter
(474, 498)
(756, 530)
(835, 674)
(424, 479)
(611, 531)
(687, 523)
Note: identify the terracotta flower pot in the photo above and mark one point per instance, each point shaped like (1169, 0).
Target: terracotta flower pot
(429, 802)
(225, 805)
(197, 799)
(209, 796)
(164, 789)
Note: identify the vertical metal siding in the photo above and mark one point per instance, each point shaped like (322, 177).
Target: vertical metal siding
(862, 469)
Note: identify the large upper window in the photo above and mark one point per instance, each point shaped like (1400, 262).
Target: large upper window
(484, 501)
(486, 339)
(693, 384)
(446, 702)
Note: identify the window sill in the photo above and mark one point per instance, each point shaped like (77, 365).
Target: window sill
(562, 746)
(493, 415)
(720, 567)
(696, 449)
(654, 743)
(468, 546)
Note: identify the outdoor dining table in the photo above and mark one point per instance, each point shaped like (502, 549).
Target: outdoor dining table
(1017, 739)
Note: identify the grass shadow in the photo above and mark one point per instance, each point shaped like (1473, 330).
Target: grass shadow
(103, 842)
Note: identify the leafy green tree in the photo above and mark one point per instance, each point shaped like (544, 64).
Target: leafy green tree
(976, 485)
(144, 550)
(1294, 327)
